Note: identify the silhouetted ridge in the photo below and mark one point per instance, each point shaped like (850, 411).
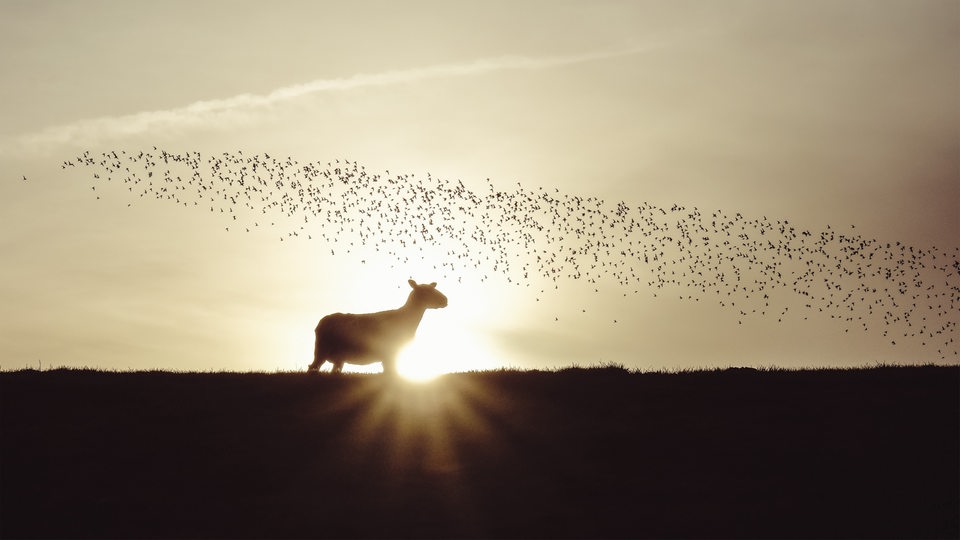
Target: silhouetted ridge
(585, 453)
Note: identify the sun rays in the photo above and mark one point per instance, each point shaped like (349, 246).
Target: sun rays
(416, 433)
(446, 343)
(419, 425)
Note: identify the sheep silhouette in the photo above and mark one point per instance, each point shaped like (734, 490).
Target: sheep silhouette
(366, 338)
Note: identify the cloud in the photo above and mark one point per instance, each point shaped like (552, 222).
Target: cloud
(243, 108)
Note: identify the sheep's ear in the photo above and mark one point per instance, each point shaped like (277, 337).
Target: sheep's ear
(433, 285)
(412, 283)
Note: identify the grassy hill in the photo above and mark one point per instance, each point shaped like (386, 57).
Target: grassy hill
(576, 453)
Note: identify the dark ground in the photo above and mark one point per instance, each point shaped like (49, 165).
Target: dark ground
(578, 453)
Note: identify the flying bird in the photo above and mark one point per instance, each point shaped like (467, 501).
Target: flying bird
(751, 266)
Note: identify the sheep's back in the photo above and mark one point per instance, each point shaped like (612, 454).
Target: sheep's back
(360, 333)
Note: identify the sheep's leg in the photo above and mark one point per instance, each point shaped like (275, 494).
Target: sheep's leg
(318, 354)
(337, 367)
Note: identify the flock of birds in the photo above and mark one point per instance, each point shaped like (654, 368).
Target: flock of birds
(759, 266)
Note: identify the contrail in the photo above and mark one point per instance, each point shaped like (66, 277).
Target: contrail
(237, 108)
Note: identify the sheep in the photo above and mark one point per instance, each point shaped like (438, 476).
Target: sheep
(348, 338)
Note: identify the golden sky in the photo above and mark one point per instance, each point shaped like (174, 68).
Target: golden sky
(836, 114)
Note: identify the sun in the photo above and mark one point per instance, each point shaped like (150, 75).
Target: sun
(444, 346)
(417, 365)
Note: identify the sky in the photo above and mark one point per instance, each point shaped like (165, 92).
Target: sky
(837, 119)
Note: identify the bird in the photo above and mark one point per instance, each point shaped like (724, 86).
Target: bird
(750, 266)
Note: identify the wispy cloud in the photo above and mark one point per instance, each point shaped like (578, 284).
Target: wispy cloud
(243, 107)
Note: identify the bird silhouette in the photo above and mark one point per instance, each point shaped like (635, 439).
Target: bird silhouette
(754, 267)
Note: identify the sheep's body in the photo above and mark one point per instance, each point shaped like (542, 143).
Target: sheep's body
(363, 338)
(366, 338)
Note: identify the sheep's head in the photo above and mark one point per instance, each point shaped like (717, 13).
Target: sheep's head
(426, 295)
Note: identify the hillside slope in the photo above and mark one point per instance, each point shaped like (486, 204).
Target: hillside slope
(577, 453)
